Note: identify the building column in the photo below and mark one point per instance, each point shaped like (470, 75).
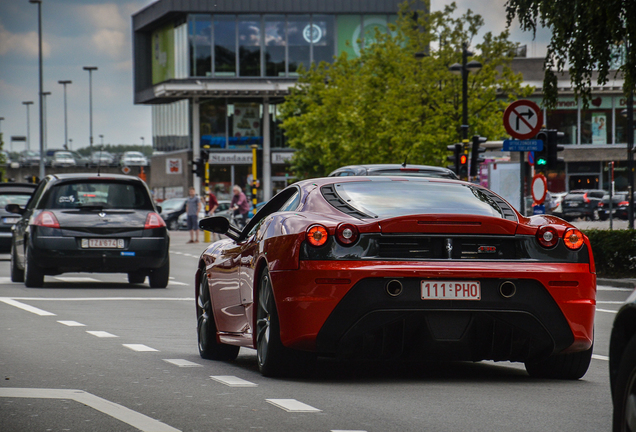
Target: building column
(267, 156)
(196, 142)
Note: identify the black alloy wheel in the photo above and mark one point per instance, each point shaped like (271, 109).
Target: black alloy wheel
(158, 277)
(17, 274)
(269, 348)
(570, 366)
(624, 418)
(33, 275)
(209, 347)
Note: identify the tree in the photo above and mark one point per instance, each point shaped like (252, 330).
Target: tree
(587, 38)
(389, 105)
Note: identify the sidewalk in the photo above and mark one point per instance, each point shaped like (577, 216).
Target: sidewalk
(618, 283)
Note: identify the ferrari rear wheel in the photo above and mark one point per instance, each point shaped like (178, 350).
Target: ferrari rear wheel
(209, 347)
(625, 392)
(33, 275)
(570, 366)
(17, 274)
(269, 348)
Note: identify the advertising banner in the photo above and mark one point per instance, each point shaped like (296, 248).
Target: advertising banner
(247, 120)
(599, 128)
(163, 54)
(174, 166)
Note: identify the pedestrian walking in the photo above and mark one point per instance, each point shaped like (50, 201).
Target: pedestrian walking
(193, 207)
(239, 205)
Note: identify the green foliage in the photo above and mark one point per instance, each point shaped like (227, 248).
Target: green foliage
(388, 105)
(585, 35)
(614, 252)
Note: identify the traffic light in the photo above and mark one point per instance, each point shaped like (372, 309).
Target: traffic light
(457, 150)
(541, 157)
(198, 167)
(554, 148)
(475, 160)
(463, 166)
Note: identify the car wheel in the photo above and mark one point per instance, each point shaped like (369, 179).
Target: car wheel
(570, 366)
(269, 348)
(17, 274)
(209, 347)
(33, 275)
(136, 277)
(173, 225)
(603, 217)
(158, 278)
(624, 418)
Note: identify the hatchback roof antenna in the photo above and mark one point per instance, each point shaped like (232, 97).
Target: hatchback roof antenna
(405, 159)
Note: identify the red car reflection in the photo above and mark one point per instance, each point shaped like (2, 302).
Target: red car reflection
(397, 267)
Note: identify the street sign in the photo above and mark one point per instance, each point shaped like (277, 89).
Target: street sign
(523, 119)
(531, 158)
(522, 145)
(539, 188)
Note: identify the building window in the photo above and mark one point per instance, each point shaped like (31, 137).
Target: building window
(249, 39)
(224, 45)
(212, 114)
(564, 121)
(323, 38)
(299, 36)
(200, 45)
(275, 45)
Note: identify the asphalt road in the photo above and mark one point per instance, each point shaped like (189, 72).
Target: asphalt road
(91, 353)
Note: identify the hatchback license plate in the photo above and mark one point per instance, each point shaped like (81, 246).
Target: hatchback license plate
(103, 243)
(451, 290)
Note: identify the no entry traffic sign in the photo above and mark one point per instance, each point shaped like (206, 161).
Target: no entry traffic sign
(523, 119)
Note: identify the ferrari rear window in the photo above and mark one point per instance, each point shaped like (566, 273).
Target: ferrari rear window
(98, 194)
(398, 198)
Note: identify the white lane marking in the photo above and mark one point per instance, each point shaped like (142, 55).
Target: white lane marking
(26, 307)
(182, 363)
(606, 311)
(610, 288)
(232, 381)
(72, 323)
(176, 253)
(104, 298)
(343, 430)
(600, 357)
(121, 413)
(139, 347)
(101, 334)
(75, 279)
(176, 283)
(292, 405)
(6, 280)
(609, 302)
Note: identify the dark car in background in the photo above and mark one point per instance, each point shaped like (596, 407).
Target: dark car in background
(622, 366)
(617, 199)
(90, 223)
(171, 209)
(394, 170)
(582, 203)
(11, 193)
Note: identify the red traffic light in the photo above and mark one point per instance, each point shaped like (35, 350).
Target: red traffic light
(463, 159)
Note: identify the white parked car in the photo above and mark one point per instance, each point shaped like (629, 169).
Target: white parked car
(63, 159)
(133, 158)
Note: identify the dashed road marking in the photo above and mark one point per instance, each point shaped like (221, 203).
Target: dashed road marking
(182, 363)
(26, 307)
(101, 334)
(72, 323)
(232, 381)
(600, 357)
(119, 412)
(610, 288)
(6, 280)
(343, 430)
(139, 347)
(75, 279)
(607, 311)
(292, 405)
(609, 302)
(176, 283)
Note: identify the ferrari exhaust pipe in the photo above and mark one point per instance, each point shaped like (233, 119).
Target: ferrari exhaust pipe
(394, 288)
(507, 289)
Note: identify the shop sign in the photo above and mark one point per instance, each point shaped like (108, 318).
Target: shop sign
(281, 158)
(174, 166)
(230, 158)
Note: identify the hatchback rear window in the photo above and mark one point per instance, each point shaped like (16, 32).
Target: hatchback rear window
(98, 194)
(386, 198)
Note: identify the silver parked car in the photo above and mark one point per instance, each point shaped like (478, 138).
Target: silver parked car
(133, 158)
(63, 159)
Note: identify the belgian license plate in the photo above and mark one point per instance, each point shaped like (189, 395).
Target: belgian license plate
(103, 243)
(451, 290)
(10, 220)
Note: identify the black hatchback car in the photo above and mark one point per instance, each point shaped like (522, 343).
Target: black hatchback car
(582, 203)
(90, 223)
(393, 170)
(11, 193)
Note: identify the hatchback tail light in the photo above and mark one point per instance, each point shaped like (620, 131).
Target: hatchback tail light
(601, 205)
(585, 198)
(317, 235)
(623, 203)
(153, 220)
(547, 236)
(347, 234)
(573, 238)
(46, 219)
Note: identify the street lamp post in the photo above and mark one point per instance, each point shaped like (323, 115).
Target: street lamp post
(39, 3)
(64, 83)
(90, 70)
(143, 142)
(70, 143)
(45, 130)
(28, 134)
(101, 137)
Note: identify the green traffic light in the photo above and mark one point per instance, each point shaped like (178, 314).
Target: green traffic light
(542, 162)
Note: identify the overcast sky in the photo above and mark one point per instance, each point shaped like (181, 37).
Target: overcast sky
(79, 33)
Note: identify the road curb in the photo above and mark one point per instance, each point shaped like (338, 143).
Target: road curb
(620, 283)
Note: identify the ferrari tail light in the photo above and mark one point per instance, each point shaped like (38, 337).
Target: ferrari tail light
(347, 234)
(573, 238)
(46, 219)
(317, 235)
(153, 220)
(547, 236)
